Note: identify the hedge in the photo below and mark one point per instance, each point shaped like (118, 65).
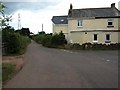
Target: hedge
(14, 43)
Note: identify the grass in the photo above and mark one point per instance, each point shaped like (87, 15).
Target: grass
(7, 71)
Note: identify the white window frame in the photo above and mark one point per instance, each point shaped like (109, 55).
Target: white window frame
(106, 38)
(95, 41)
(80, 23)
(111, 21)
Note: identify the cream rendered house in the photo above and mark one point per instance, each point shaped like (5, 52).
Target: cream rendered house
(60, 23)
(90, 25)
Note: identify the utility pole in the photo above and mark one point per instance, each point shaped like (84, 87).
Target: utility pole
(42, 27)
(19, 22)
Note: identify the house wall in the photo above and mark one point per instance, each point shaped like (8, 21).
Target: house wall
(76, 36)
(81, 37)
(92, 24)
(119, 23)
(57, 28)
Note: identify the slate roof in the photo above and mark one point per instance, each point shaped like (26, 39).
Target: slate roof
(108, 12)
(60, 19)
(93, 12)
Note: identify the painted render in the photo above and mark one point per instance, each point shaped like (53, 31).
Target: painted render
(58, 28)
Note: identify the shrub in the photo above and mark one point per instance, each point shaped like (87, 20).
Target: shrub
(13, 42)
(95, 46)
(58, 39)
(38, 38)
(49, 40)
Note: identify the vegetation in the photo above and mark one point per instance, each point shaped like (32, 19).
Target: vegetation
(13, 43)
(89, 46)
(49, 40)
(24, 32)
(4, 20)
(7, 71)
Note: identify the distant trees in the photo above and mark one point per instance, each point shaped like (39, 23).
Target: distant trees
(24, 32)
(42, 32)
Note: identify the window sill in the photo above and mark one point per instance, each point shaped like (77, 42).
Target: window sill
(110, 26)
(95, 41)
(79, 26)
(107, 41)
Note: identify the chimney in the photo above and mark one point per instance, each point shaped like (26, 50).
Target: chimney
(71, 6)
(113, 5)
(70, 11)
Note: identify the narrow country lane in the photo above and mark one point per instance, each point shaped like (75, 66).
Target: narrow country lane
(57, 68)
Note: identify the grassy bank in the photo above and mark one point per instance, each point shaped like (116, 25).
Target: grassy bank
(8, 71)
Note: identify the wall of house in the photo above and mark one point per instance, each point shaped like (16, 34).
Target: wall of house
(119, 23)
(76, 37)
(81, 37)
(92, 24)
(57, 28)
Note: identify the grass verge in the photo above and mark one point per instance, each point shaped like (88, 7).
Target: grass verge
(8, 71)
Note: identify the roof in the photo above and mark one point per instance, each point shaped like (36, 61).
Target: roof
(60, 19)
(93, 12)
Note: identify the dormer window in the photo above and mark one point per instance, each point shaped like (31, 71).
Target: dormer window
(62, 20)
(80, 23)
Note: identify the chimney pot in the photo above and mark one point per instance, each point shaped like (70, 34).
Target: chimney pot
(71, 7)
(113, 5)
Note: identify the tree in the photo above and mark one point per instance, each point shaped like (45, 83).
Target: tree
(4, 20)
(24, 32)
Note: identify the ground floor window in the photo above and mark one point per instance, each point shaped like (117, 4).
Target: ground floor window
(95, 38)
(107, 38)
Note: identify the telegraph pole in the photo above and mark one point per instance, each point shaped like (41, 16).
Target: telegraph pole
(42, 27)
(19, 22)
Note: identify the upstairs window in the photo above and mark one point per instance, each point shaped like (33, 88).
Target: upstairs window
(80, 23)
(110, 23)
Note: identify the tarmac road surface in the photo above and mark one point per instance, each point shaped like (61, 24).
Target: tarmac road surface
(58, 68)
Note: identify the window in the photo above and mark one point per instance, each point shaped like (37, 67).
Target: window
(95, 38)
(80, 23)
(110, 22)
(107, 38)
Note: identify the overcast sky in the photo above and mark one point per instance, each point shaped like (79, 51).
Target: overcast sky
(34, 13)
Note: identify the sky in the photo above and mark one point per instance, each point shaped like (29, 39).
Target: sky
(34, 13)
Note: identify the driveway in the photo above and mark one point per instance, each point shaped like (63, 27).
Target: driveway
(58, 68)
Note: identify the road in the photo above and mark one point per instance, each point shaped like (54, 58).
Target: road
(58, 68)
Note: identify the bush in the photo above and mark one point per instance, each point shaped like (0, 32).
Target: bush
(49, 40)
(13, 43)
(38, 38)
(58, 39)
(95, 46)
